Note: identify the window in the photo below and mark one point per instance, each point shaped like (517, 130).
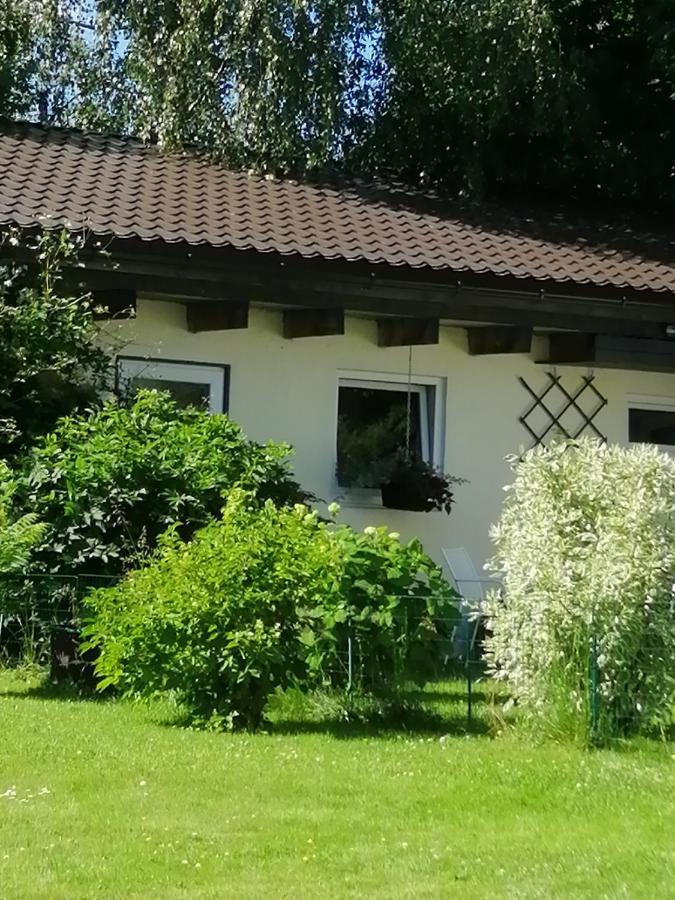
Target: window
(190, 384)
(652, 422)
(373, 425)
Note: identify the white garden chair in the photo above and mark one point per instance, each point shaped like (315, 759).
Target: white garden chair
(473, 591)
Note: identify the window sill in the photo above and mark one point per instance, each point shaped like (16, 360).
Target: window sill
(359, 498)
(668, 449)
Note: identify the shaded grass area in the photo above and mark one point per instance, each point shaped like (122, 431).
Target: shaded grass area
(110, 799)
(439, 709)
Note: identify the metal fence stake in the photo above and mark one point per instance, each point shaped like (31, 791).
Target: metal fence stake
(594, 689)
(469, 695)
(350, 667)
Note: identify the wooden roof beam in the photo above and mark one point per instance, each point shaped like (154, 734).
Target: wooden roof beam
(612, 352)
(404, 332)
(490, 339)
(302, 323)
(217, 315)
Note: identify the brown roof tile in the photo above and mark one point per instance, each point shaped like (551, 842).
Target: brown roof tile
(121, 187)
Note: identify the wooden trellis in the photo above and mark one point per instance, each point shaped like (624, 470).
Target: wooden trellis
(556, 391)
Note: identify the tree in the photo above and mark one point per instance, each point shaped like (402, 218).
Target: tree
(498, 99)
(275, 84)
(272, 84)
(529, 99)
(53, 361)
(14, 51)
(61, 64)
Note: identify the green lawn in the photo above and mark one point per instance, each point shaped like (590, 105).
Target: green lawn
(103, 799)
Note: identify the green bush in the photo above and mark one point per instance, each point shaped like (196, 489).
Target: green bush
(52, 358)
(585, 632)
(108, 485)
(257, 601)
(394, 602)
(218, 621)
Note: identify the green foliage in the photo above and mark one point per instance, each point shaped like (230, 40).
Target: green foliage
(394, 602)
(262, 600)
(530, 98)
(467, 80)
(61, 62)
(446, 91)
(586, 546)
(18, 536)
(487, 98)
(14, 42)
(51, 363)
(109, 484)
(276, 84)
(219, 621)
(275, 87)
(415, 484)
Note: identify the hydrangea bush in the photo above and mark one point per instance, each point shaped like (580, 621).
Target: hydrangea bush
(584, 630)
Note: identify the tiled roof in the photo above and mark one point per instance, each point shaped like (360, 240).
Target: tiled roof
(121, 187)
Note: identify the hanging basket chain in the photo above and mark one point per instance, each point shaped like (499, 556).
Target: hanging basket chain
(408, 417)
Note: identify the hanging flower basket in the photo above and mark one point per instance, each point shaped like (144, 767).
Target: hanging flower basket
(416, 486)
(400, 493)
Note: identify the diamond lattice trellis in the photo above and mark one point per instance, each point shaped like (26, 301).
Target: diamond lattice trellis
(586, 400)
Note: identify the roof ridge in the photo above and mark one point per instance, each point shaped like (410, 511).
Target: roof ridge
(7, 123)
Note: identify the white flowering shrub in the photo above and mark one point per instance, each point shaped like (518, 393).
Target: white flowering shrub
(584, 629)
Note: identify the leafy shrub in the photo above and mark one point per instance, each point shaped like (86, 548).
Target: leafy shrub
(260, 600)
(415, 484)
(586, 547)
(52, 362)
(110, 484)
(18, 536)
(218, 621)
(394, 602)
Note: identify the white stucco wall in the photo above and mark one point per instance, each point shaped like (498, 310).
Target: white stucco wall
(287, 391)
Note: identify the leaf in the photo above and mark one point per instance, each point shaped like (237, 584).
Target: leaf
(307, 637)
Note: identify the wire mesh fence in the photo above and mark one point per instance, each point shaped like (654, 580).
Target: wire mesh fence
(40, 618)
(631, 675)
(430, 659)
(621, 689)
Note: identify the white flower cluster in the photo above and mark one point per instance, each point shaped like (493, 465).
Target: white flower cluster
(586, 552)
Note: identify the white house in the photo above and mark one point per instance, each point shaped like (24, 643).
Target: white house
(293, 305)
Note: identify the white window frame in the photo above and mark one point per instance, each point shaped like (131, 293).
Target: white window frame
(655, 404)
(213, 374)
(432, 432)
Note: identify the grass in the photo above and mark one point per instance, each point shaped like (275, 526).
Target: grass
(110, 800)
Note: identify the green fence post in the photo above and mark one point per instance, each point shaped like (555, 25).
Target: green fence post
(595, 699)
(350, 666)
(403, 663)
(469, 692)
